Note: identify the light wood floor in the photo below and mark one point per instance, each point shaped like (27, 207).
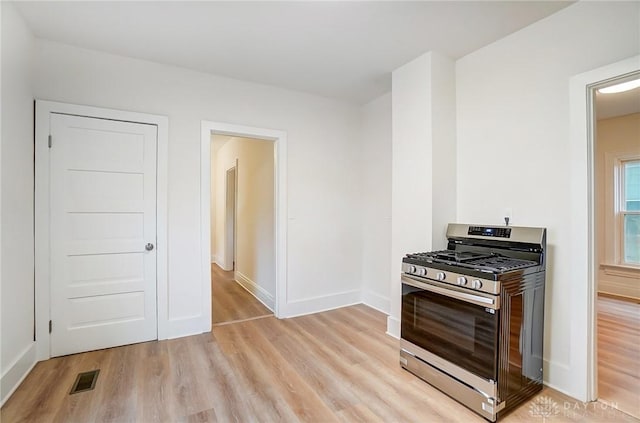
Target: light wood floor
(619, 354)
(230, 301)
(336, 366)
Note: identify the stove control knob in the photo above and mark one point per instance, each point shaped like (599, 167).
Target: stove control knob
(440, 276)
(476, 284)
(462, 281)
(421, 272)
(411, 269)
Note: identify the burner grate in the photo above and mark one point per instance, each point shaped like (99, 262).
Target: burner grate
(503, 264)
(491, 262)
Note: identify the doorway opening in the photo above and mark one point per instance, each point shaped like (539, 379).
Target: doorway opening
(242, 228)
(616, 211)
(249, 248)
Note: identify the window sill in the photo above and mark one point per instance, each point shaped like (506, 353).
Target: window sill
(624, 270)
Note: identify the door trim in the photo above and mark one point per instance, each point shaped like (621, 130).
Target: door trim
(41, 211)
(579, 376)
(279, 138)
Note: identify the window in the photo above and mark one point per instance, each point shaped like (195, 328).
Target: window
(629, 211)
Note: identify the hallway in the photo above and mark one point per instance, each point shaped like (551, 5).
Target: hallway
(230, 301)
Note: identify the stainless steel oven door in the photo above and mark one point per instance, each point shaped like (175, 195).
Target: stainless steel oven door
(457, 326)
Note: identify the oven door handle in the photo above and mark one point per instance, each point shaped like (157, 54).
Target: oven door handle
(492, 303)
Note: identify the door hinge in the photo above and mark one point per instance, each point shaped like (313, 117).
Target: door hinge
(50, 326)
(50, 141)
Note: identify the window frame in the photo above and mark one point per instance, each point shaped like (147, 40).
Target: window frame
(619, 208)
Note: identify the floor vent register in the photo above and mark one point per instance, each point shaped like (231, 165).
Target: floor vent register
(85, 382)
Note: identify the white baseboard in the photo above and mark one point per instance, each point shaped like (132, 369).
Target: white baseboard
(377, 301)
(217, 260)
(393, 327)
(17, 372)
(256, 290)
(318, 304)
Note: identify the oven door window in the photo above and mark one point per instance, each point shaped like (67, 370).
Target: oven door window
(462, 333)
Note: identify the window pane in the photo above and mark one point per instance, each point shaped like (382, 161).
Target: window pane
(632, 185)
(632, 238)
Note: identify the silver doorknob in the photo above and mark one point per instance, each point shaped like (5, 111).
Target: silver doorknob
(148, 247)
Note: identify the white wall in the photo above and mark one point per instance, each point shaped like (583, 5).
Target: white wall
(255, 236)
(376, 213)
(514, 134)
(423, 163)
(212, 204)
(443, 140)
(18, 352)
(411, 209)
(323, 165)
(219, 166)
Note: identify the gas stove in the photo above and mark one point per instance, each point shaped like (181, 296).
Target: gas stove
(472, 316)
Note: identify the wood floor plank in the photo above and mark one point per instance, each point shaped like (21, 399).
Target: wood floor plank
(206, 416)
(155, 370)
(333, 366)
(118, 404)
(49, 392)
(79, 405)
(228, 392)
(267, 402)
(289, 384)
(379, 396)
(358, 414)
(619, 354)
(230, 301)
(316, 373)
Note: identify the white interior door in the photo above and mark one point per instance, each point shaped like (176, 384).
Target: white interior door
(103, 233)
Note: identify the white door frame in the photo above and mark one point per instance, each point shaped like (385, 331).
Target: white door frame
(279, 138)
(41, 212)
(231, 209)
(583, 354)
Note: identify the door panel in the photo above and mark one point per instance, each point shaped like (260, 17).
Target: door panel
(95, 310)
(113, 226)
(103, 213)
(87, 152)
(93, 191)
(91, 275)
(105, 233)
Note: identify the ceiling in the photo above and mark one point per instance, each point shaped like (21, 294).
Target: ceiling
(338, 49)
(618, 104)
